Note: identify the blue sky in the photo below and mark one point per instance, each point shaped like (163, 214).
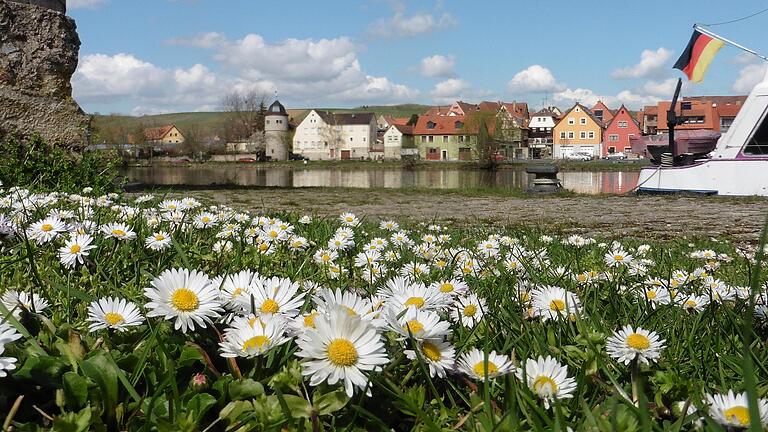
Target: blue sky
(144, 57)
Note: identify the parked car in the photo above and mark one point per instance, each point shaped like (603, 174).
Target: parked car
(297, 157)
(498, 157)
(182, 160)
(616, 156)
(246, 160)
(580, 156)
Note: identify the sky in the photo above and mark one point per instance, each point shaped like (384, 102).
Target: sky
(155, 56)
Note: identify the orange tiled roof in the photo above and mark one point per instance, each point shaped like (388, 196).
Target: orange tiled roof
(157, 133)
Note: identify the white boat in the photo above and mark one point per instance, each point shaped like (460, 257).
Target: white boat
(737, 166)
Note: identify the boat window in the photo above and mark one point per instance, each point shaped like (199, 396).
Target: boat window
(758, 143)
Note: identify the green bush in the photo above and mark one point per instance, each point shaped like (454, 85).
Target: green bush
(35, 165)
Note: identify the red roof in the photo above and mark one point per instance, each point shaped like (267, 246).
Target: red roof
(396, 120)
(157, 133)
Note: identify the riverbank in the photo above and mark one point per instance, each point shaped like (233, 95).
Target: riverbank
(655, 217)
(354, 165)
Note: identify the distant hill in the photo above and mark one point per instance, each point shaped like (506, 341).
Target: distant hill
(214, 122)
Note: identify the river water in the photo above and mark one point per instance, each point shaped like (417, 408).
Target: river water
(610, 182)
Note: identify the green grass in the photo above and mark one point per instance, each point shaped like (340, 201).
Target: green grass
(141, 379)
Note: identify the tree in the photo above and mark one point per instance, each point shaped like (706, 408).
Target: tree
(487, 146)
(246, 113)
(413, 120)
(193, 145)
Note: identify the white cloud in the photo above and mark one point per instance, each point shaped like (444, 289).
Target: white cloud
(663, 89)
(534, 79)
(588, 98)
(85, 4)
(749, 76)
(652, 64)
(437, 66)
(452, 89)
(304, 71)
(401, 24)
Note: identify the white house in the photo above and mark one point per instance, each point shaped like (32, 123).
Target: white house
(395, 139)
(324, 135)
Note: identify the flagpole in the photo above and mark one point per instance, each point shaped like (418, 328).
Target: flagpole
(730, 42)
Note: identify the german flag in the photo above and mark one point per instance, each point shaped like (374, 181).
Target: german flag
(697, 56)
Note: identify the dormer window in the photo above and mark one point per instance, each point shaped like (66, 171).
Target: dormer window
(431, 125)
(458, 125)
(685, 105)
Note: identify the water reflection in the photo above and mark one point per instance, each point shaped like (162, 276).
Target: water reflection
(201, 175)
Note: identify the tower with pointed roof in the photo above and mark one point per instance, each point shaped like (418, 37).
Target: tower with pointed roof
(276, 132)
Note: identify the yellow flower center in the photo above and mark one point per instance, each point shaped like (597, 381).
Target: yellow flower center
(470, 310)
(441, 263)
(350, 311)
(480, 369)
(255, 342)
(557, 305)
(650, 295)
(618, 257)
(309, 320)
(738, 413)
(431, 351)
(544, 385)
(270, 306)
(446, 287)
(581, 277)
(185, 300)
(326, 257)
(74, 249)
(46, 227)
(415, 301)
(113, 318)
(525, 296)
(349, 218)
(273, 234)
(118, 232)
(342, 352)
(413, 326)
(159, 237)
(638, 341)
(237, 292)
(690, 304)
(206, 219)
(263, 247)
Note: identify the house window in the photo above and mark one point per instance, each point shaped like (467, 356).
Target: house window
(570, 135)
(267, 121)
(611, 149)
(571, 121)
(423, 138)
(458, 125)
(613, 137)
(577, 109)
(350, 138)
(623, 124)
(591, 135)
(583, 135)
(431, 138)
(685, 105)
(725, 124)
(598, 114)
(445, 138)
(433, 150)
(582, 121)
(431, 125)
(562, 135)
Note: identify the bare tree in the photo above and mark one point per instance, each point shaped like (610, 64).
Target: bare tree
(246, 113)
(487, 145)
(333, 135)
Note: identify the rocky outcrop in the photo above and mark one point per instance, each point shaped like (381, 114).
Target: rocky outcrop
(38, 55)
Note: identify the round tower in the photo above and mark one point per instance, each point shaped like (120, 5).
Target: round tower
(276, 132)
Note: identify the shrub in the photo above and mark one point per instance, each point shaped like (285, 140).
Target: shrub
(36, 165)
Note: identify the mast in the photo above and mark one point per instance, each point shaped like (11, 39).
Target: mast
(673, 120)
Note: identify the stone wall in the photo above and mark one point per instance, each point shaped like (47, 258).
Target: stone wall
(38, 55)
(57, 5)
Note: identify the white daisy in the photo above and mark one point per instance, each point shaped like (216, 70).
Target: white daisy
(253, 337)
(468, 310)
(46, 230)
(158, 241)
(349, 219)
(627, 344)
(16, 301)
(341, 347)
(113, 313)
(732, 409)
(75, 250)
(8, 334)
(421, 324)
(438, 354)
(6, 363)
(554, 303)
(275, 296)
(473, 364)
(188, 297)
(119, 231)
(548, 379)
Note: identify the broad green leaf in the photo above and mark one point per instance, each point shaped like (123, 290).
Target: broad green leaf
(73, 422)
(103, 372)
(75, 389)
(298, 406)
(331, 402)
(199, 405)
(245, 389)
